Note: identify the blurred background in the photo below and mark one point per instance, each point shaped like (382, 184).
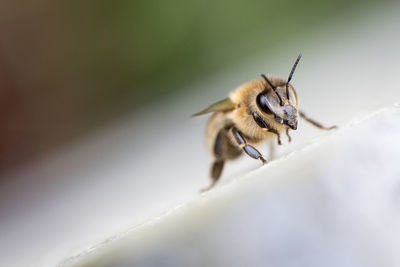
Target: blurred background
(95, 100)
(69, 67)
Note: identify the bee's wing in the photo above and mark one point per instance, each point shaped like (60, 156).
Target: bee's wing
(223, 105)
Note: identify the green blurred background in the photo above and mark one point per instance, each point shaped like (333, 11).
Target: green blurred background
(69, 67)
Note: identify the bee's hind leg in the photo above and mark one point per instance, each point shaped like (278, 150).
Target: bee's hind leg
(216, 170)
(219, 161)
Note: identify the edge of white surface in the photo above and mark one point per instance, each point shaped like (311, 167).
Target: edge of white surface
(206, 196)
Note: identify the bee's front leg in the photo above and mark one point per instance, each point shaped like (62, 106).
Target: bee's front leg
(288, 135)
(260, 122)
(315, 123)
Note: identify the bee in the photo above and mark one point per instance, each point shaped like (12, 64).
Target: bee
(259, 110)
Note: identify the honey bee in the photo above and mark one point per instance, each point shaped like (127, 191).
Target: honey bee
(257, 111)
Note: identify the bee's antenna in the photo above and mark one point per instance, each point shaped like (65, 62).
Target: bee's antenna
(291, 75)
(273, 88)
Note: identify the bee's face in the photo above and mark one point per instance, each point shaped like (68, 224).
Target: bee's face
(285, 111)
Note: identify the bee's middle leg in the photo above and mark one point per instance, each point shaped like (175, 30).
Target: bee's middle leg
(248, 149)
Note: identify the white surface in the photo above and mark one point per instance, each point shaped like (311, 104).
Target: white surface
(336, 202)
(149, 162)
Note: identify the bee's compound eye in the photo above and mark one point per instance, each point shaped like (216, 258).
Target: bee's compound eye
(263, 104)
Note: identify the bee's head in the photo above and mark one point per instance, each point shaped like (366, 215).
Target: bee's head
(282, 108)
(280, 100)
